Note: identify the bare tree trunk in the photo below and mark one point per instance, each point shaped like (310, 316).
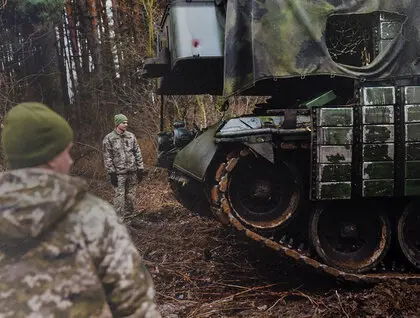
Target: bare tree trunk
(136, 22)
(90, 23)
(95, 45)
(62, 57)
(74, 43)
(148, 6)
(73, 67)
(117, 37)
(106, 39)
(123, 17)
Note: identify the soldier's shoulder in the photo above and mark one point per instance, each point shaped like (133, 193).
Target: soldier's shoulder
(91, 208)
(130, 134)
(109, 136)
(97, 219)
(92, 202)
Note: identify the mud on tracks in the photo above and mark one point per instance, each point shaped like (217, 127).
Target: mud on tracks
(201, 269)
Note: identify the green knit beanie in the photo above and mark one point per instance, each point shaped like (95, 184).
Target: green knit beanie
(120, 118)
(33, 134)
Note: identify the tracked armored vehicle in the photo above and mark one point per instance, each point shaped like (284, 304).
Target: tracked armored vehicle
(327, 170)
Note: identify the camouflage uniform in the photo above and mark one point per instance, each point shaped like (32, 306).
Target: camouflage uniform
(122, 156)
(63, 252)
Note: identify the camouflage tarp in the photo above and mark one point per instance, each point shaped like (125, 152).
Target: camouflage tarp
(286, 38)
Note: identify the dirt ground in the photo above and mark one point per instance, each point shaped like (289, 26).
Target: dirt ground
(202, 269)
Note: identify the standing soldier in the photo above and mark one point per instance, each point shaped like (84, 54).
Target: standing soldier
(63, 252)
(124, 164)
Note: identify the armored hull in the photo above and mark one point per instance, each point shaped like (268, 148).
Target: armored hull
(327, 171)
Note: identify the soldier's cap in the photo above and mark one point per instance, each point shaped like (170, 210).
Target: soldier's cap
(33, 134)
(119, 119)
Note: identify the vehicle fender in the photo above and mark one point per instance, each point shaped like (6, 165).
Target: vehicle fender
(195, 158)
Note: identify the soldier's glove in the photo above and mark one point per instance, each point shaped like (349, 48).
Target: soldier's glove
(114, 178)
(140, 174)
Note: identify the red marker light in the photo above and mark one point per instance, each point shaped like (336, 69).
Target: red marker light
(196, 43)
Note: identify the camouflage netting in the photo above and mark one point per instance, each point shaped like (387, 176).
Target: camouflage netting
(268, 39)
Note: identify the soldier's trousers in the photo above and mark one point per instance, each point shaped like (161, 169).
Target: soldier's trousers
(125, 193)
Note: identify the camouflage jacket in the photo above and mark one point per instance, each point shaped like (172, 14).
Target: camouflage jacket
(63, 252)
(122, 153)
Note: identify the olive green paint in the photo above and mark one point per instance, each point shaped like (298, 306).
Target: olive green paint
(378, 115)
(412, 132)
(375, 96)
(378, 133)
(378, 170)
(379, 152)
(412, 187)
(286, 38)
(320, 100)
(412, 170)
(334, 154)
(195, 158)
(412, 113)
(335, 117)
(335, 136)
(412, 151)
(334, 172)
(389, 29)
(335, 142)
(334, 190)
(412, 94)
(378, 188)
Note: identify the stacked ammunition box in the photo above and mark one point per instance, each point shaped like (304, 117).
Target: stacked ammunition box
(411, 103)
(378, 146)
(333, 141)
(387, 27)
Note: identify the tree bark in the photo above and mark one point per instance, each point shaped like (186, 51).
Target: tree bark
(62, 57)
(90, 23)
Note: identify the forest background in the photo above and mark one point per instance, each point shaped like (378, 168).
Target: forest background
(84, 59)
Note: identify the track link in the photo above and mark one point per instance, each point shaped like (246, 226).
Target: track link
(223, 212)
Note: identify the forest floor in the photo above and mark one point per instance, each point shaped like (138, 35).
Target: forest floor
(202, 269)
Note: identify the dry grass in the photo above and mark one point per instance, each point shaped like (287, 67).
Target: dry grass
(148, 150)
(202, 269)
(88, 158)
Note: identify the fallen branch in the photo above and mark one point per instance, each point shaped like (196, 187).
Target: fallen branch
(341, 305)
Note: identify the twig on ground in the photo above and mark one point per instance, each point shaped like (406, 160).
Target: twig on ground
(276, 302)
(341, 305)
(177, 300)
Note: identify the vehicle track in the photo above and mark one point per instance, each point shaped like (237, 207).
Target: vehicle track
(223, 212)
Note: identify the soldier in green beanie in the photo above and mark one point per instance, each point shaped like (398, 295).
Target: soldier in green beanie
(124, 164)
(63, 251)
(33, 135)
